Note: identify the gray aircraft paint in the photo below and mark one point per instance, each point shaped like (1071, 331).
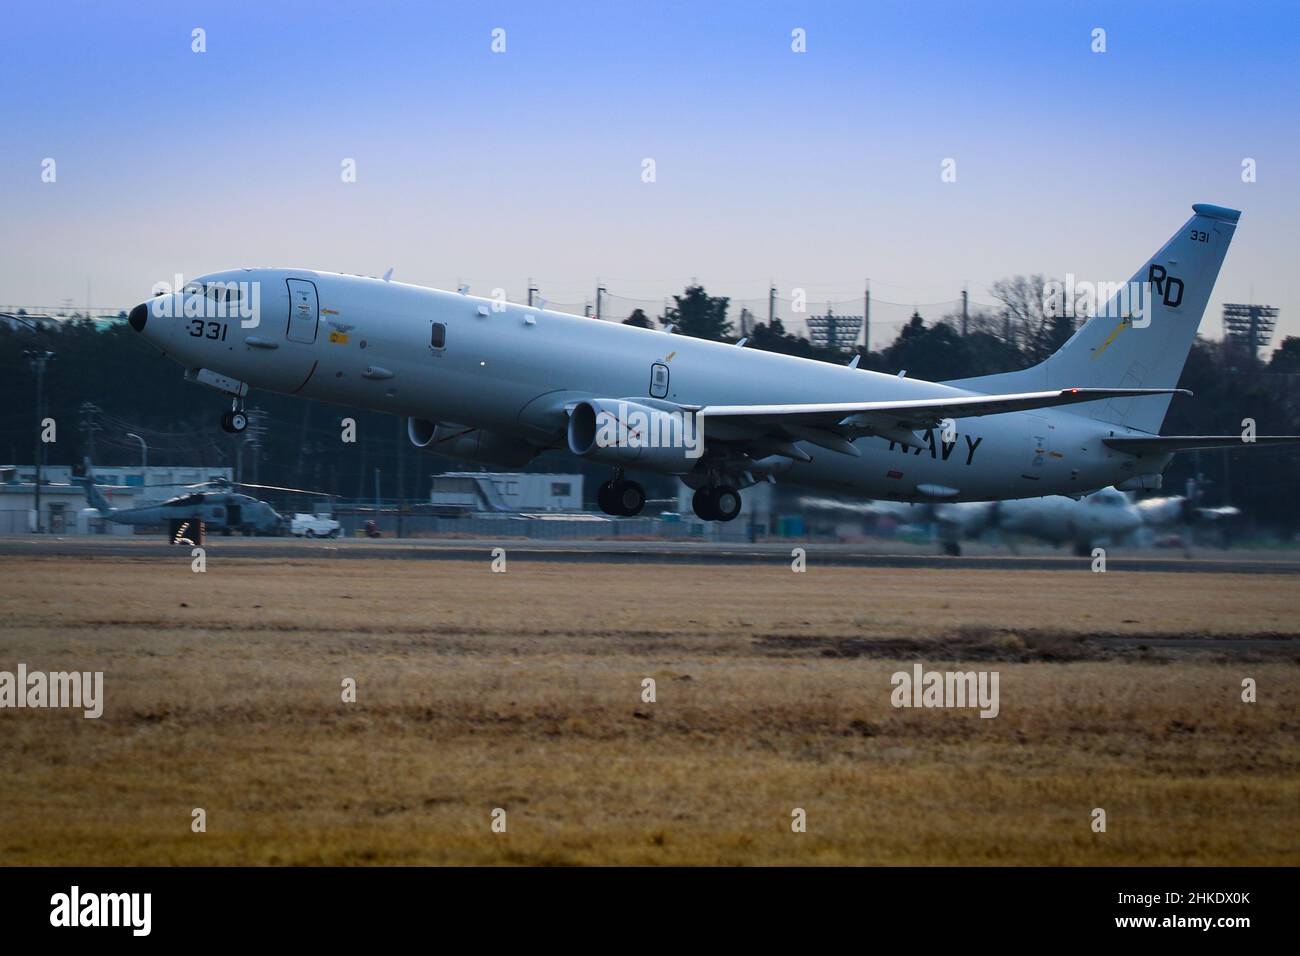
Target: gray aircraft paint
(516, 371)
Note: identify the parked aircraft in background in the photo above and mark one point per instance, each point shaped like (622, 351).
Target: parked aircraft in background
(217, 508)
(1104, 518)
(494, 382)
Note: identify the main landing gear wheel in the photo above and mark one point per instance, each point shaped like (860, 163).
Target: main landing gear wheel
(234, 422)
(621, 498)
(716, 503)
(702, 505)
(726, 502)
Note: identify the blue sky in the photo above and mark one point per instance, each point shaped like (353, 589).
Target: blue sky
(815, 170)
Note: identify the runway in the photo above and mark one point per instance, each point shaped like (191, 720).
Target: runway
(876, 554)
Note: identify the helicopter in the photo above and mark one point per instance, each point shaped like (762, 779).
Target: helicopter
(212, 505)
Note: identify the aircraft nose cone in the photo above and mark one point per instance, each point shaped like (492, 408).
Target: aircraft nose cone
(139, 315)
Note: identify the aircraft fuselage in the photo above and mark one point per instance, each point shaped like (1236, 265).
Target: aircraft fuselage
(512, 369)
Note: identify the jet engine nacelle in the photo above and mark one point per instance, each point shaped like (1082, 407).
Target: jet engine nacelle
(469, 444)
(640, 436)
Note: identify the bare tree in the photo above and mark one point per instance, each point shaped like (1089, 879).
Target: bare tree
(1027, 317)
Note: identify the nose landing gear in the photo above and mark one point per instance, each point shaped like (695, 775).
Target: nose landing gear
(716, 503)
(235, 420)
(620, 497)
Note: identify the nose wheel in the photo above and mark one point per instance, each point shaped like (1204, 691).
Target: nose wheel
(716, 503)
(234, 421)
(620, 497)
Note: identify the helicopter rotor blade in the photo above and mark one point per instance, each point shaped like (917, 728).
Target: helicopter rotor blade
(296, 491)
(215, 482)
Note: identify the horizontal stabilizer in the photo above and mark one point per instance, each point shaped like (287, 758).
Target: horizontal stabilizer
(1168, 444)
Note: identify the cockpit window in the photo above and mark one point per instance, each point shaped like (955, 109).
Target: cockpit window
(223, 292)
(216, 291)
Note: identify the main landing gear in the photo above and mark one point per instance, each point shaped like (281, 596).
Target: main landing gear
(620, 497)
(716, 503)
(234, 421)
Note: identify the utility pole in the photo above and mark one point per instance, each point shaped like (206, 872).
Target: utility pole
(866, 319)
(600, 299)
(771, 305)
(89, 427)
(964, 317)
(144, 457)
(532, 290)
(37, 359)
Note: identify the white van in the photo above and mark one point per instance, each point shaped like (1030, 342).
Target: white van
(314, 526)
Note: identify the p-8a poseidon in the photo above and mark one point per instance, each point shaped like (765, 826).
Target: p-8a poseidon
(494, 382)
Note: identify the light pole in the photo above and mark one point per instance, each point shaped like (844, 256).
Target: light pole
(37, 359)
(144, 456)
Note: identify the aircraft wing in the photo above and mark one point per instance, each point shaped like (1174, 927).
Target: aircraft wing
(927, 412)
(1167, 444)
(773, 429)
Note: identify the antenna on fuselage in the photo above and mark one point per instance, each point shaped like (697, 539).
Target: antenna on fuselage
(389, 274)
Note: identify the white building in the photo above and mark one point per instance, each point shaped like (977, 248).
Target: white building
(477, 491)
(64, 509)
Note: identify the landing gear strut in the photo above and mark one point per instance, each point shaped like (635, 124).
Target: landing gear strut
(716, 503)
(621, 497)
(234, 421)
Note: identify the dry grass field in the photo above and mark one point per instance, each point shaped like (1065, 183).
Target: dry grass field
(523, 691)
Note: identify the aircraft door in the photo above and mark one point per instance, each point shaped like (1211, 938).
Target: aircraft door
(304, 311)
(233, 515)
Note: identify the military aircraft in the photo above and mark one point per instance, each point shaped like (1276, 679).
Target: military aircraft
(489, 381)
(1107, 517)
(188, 516)
(1104, 517)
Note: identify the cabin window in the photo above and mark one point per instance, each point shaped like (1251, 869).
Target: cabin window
(438, 339)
